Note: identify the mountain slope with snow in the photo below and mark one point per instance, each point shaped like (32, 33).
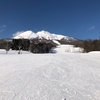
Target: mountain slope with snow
(49, 76)
(41, 35)
(25, 35)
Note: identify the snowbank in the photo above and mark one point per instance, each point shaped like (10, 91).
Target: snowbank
(67, 49)
(94, 52)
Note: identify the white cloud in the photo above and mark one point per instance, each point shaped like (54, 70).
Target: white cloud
(92, 28)
(17, 33)
(2, 28)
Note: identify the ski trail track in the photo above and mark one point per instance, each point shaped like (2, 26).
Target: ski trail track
(50, 77)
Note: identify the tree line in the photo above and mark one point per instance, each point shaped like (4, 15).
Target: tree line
(44, 46)
(34, 45)
(89, 45)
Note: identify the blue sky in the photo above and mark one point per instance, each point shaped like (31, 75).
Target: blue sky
(76, 18)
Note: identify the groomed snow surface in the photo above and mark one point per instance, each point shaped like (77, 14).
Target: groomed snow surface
(27, 76)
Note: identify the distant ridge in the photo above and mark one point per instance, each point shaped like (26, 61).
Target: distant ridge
(41, 35)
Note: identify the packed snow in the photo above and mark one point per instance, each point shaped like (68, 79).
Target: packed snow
(59, 76)
(40, 34)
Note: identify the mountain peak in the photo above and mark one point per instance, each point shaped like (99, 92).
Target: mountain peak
(22, 34)
(41, 35)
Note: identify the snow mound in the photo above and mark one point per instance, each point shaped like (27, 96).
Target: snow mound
(67, 49)
(94, 52)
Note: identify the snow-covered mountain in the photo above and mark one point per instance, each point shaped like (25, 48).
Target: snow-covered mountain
(40, 35)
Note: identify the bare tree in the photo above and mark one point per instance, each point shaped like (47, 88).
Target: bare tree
(7, 48)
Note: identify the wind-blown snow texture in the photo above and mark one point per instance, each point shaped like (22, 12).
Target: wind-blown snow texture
(49, 76)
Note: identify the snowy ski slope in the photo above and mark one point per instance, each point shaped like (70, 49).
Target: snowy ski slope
(74, 76)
